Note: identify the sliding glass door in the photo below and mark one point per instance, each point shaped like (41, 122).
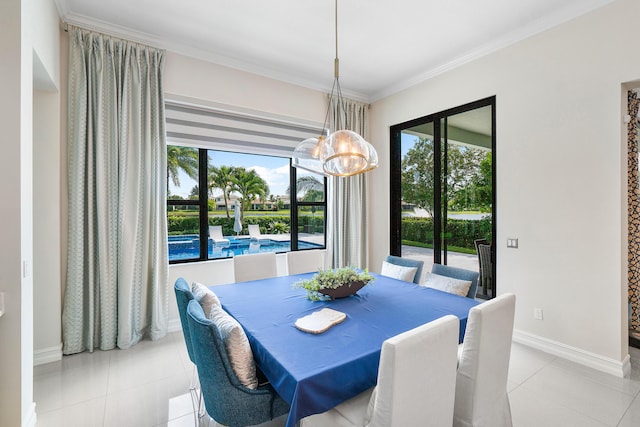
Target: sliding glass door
(443, 188)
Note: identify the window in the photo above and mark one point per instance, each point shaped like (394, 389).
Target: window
(230, 191)
(220, 157)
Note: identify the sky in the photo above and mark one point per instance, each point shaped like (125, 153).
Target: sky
(274, 170)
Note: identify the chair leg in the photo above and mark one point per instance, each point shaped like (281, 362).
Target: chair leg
(194, 379)
(196, 395)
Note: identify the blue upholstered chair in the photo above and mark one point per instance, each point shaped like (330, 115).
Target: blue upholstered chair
(183, 296)
(459, 273)
(227, 401)
(406, 262)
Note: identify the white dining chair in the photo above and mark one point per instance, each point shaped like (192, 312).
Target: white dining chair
(299, 262)
(416, 382)
(254, 266)
(483, 365)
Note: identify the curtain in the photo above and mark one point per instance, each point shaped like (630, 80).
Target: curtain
(633, 206)
(117, 266)
(347, 196)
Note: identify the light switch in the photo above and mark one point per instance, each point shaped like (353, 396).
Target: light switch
(512, 242)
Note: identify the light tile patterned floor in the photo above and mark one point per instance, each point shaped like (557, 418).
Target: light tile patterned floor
(147, 385)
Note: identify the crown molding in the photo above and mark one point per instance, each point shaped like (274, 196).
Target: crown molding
(197, 53)
(561, 16)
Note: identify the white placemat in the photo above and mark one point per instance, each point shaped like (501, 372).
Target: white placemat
(320, 321)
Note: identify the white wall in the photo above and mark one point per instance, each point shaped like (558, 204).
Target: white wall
(17, 41)
(14, 136)
(47, 311)
(560, 175)
(193, 78)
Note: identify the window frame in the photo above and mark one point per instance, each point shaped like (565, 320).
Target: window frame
(203, 204)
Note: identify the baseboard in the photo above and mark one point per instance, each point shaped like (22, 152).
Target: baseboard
(46, 355)
(174, 325)
(30, 417)
(574, 354)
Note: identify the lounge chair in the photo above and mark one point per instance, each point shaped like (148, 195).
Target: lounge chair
(254, 232)
(215, 234)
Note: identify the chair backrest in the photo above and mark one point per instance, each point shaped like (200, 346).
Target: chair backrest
(417, 375)
(183, 296)
(227, 401)
(255, 266)
(254, 231)
(483, 247)
(215, 232)
(299, 262)
(481, 384)
(407, 262)
(459, 273)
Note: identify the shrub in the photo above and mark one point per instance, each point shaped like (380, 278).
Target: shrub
(460, 232)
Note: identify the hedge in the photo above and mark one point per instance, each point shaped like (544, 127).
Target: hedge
(189, 224)
(460, 232)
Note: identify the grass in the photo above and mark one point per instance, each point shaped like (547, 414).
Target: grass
(449, 248)
(466, 212)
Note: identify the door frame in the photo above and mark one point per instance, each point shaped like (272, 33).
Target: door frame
(395, 175)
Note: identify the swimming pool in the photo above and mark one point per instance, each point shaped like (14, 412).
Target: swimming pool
(188, 247)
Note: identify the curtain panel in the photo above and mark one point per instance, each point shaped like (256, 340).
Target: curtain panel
(117, 265)
(633, 206)
(347, 196)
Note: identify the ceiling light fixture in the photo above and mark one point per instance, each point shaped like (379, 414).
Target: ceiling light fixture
(344, 152)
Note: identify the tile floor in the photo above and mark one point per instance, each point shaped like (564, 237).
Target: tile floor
(148, 386)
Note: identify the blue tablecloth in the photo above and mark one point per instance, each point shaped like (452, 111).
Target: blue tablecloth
(314, 373)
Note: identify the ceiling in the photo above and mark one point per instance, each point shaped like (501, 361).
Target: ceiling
(384, 46)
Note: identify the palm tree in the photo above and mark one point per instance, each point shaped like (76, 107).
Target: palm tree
(222, 178)
(250, 185)
(184, 158)
(310, 188)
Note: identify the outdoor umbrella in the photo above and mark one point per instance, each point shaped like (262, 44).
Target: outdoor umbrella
(237, 224)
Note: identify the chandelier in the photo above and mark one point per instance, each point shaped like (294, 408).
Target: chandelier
(342, 153)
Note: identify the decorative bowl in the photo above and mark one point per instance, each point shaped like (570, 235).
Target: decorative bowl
(343, 291)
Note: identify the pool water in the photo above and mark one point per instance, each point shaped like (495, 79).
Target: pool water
(188, 247)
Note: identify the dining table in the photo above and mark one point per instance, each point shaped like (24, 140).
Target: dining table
(315, 372)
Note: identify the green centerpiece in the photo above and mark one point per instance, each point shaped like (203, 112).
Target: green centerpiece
(334, 283)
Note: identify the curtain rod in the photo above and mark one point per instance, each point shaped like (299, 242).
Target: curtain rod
(65, 27)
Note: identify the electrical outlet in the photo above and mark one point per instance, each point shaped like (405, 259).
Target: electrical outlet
(537, 313)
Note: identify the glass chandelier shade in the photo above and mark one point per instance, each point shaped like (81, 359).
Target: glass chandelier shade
(344, 152)
(308, 154)
(347, 153)
(373, 159)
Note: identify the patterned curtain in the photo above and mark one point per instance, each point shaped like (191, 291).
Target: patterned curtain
(347, 196)
(117, 268)
(633, 206)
